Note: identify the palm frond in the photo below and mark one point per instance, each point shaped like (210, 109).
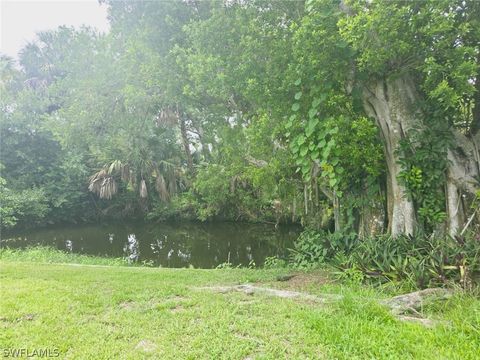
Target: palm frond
(103, 184)
(143, 189)
(161, 187)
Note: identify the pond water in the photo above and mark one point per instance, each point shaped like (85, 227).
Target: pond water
(202, 245)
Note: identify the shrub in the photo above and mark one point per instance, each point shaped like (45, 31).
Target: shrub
(274, 262)
(29, 206)
(313, 248)
(422, 260)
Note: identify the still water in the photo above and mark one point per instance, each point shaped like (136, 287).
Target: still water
(203, 245)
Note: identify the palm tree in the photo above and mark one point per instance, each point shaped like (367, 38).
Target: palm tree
(165, 174)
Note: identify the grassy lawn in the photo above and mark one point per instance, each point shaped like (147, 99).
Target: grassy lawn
(118, 312)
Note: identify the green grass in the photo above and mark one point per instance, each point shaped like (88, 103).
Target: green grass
(45, 254)
(119, 312)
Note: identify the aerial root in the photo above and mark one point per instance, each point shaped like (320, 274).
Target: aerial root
(404, 307)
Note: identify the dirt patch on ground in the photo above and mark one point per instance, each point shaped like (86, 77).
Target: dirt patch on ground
(252, 290)
(301, 281)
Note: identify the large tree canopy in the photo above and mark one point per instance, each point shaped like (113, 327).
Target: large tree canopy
(351, 115)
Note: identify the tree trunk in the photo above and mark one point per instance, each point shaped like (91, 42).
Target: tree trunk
(186, 144)
(336, 212)
(391, 102)
(305, 198)
(294, 208)
(475, 125)
(454, 204)
(371, 221)
(462, 179)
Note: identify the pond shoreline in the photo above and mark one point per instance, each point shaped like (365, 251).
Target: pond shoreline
(167, 244)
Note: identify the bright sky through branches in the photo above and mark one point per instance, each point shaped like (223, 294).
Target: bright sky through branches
(21, 19)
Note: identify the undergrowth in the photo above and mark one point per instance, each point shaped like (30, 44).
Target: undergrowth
(420, 260)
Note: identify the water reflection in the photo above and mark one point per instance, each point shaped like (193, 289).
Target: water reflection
(131, 249)
(69, 245)
(167, 244)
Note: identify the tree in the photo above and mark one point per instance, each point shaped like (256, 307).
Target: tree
(350, 115)
(396, 63)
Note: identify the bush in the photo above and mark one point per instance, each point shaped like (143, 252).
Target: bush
(422, 260)
(274, 262)
(29, 206)
(313, 248)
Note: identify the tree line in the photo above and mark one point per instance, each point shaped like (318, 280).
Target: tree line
(353, 116)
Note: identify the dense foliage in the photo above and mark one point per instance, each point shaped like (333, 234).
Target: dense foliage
(418, 260)
(354, 116)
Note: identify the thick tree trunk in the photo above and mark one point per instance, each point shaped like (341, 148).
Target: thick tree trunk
(371, 221)
(462, 179)
(464, 168)
(454, 205)
(391, 102)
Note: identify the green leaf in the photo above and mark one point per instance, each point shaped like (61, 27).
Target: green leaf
(298, 95)
(295, 107)
(298, 81)
(309, 131)
(318, 100)
(305, 170)
(312, 112)
(303, 151)
(313, 122)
